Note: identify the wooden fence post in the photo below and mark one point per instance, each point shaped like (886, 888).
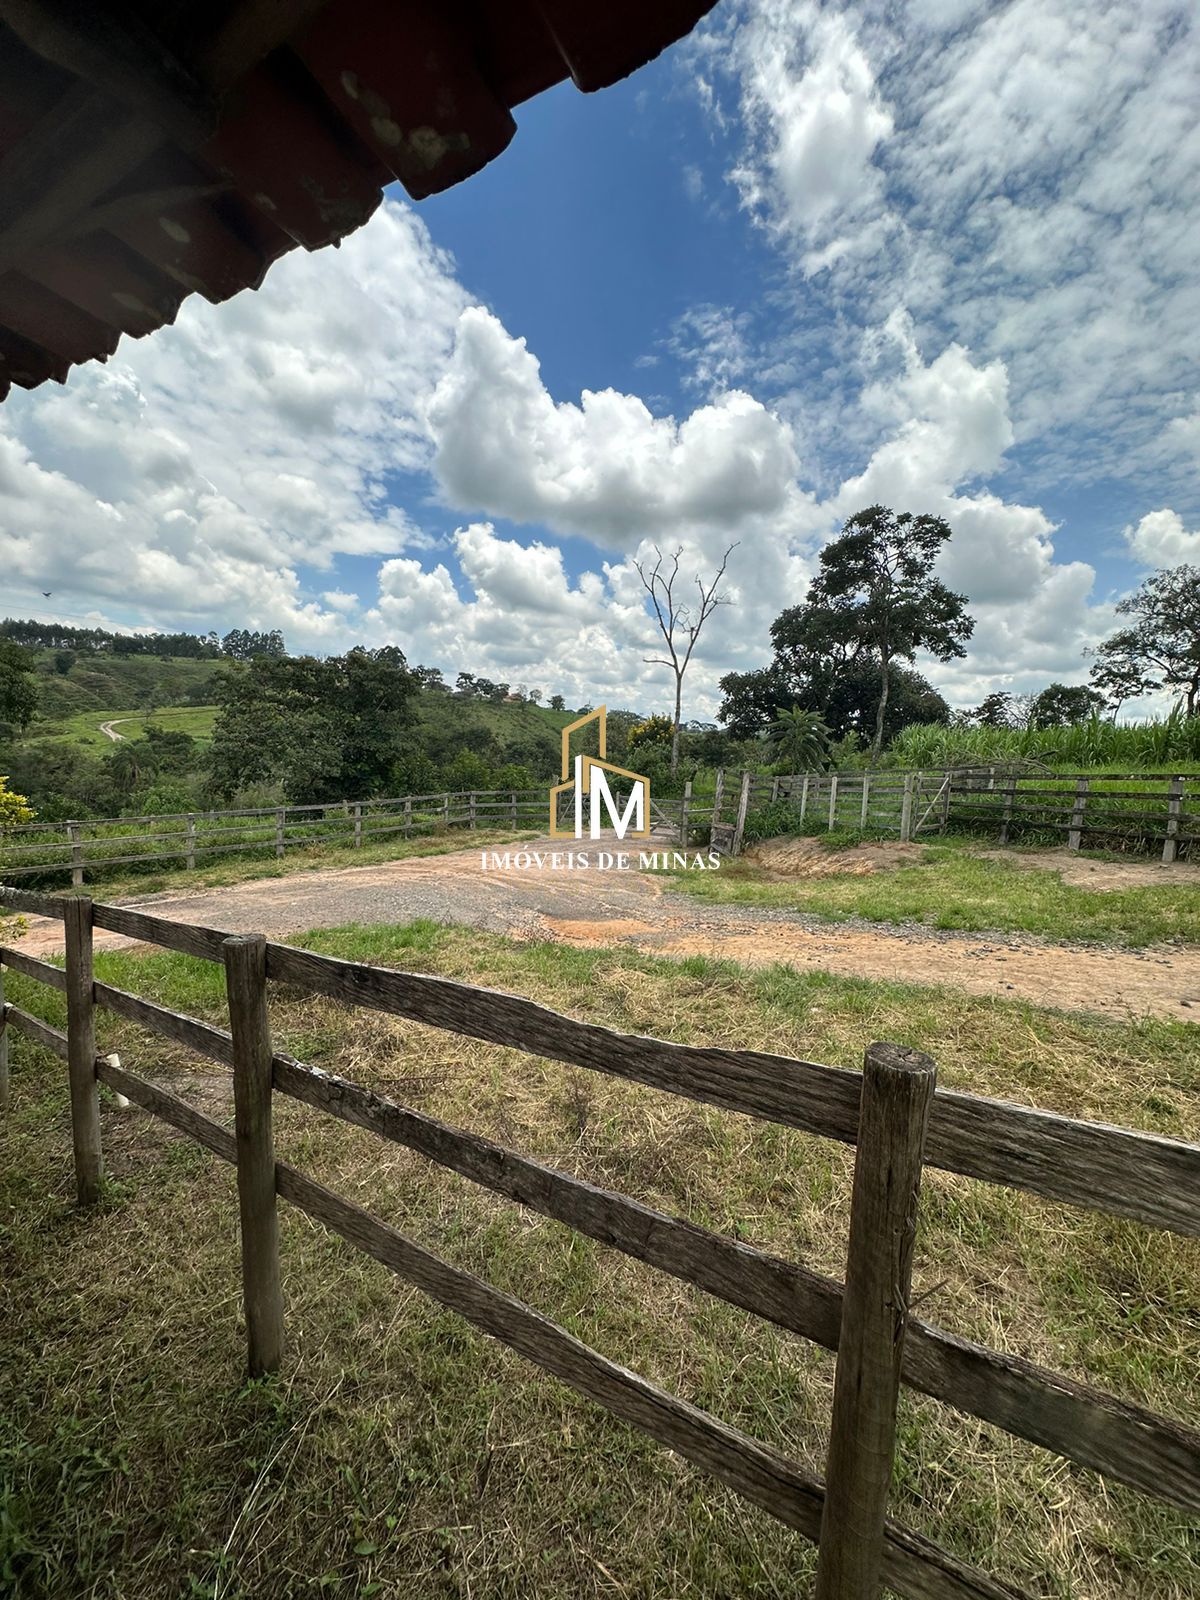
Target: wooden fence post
(803, 797)
(280, 816)
(81, 1051)
(471, 809)
(358, 824)
(865, 812)
(191, 841)
(906, 805)
(897, 1091)
(408, 817)
(685, 806)
(1174, 810)
(246, 988)
(774, 788)
(446, 810)
(512, 806)
(743, 807)
(833, 791)
(718, 795)
(1075, 836)
(76, 855)
(4, 1096)
(1010, 797)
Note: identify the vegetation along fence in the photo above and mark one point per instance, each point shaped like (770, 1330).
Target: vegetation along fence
(893, 1112)
(1139, 813)
(1142, 813)
(47, 852)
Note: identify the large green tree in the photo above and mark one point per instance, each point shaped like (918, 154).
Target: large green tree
(321, 729)
(1160, 649)
(1062, 705)
(18, 690)
(845, 695)
(876, 594)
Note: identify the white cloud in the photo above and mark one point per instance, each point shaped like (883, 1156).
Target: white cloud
(201, 467)
(816, 120)
(1161, 540)
(607, 468)
(1022, 178)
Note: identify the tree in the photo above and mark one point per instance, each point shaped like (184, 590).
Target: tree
(557, 703)
(244, 645)
(678, 623)
(994, 711)
(801, 739)
(321, 730)
(876, 591)
(1161, 647)
(18, 691)
(1062, 705)
(14, 808)
(653, 733)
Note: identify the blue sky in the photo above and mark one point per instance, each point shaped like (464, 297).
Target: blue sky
(938, 254)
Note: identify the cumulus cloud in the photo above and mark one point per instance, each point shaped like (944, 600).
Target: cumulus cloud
(607, 468)
(1161, 540)
(202, 467)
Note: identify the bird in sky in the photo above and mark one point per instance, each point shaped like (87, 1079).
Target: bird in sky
(47, 593)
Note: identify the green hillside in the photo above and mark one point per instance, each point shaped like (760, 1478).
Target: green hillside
(99, 682)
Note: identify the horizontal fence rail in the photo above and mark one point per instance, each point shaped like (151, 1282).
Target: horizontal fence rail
(1130, 1174)
(1146, 814)
(85, 850)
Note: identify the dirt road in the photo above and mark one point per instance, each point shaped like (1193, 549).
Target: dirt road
(636, 909)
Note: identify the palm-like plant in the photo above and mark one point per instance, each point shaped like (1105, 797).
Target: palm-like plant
(801, 738)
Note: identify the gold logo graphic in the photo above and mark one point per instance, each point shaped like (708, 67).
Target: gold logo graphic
(587, 780)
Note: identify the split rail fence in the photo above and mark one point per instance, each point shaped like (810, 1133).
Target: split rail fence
(1147, 814)
(892, 1111)
(86, 850)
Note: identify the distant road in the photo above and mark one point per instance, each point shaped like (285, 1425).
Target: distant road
(109, 729)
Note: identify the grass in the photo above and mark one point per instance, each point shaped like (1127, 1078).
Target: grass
(950, 886)
(399, 1453)
(83, 728)
(254, 864)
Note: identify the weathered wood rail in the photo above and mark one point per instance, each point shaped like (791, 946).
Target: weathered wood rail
(893, 1113)
(87, 850)
(1149, 814)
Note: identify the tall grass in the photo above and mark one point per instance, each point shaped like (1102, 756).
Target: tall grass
(1172, 741)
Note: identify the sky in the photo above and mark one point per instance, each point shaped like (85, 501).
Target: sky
(935, 254)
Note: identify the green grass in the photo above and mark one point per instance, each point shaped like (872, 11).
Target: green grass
(84, 727)
(254, 864)
(952, 887)
(398, 1453)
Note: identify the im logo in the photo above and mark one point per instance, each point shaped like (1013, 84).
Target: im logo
(586, 780)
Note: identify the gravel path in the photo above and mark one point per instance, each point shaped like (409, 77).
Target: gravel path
(635, 909)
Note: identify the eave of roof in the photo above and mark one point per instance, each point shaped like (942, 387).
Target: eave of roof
(153, 150)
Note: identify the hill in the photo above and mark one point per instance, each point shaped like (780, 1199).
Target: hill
(71, 683)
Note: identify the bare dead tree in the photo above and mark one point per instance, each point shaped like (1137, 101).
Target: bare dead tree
(678, 622)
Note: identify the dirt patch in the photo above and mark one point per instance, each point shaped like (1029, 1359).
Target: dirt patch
(1112, 982)
(810, 858)
(1082, 873)
(609, 931)
(631, 908)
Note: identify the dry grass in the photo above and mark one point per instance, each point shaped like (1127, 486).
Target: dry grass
(401, 1453)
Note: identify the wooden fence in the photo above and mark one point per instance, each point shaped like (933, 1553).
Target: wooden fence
(892, 1111)
(1147, 814)
(89, 850)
